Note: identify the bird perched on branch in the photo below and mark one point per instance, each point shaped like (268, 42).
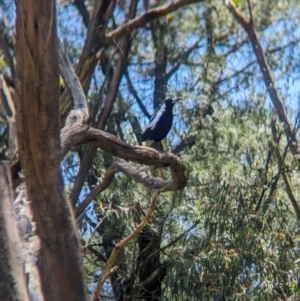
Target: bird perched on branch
(160, 123)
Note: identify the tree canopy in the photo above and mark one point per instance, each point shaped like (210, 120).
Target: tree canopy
(87, 213)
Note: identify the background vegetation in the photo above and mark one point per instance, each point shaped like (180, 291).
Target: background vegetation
(233, 232)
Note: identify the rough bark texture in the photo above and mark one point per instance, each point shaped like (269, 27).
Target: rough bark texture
(30, 244)
(12, 277)
(60, 265)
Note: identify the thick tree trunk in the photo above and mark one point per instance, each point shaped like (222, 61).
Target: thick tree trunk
(59, 261)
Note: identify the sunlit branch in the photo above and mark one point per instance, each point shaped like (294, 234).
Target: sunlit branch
(73, 85)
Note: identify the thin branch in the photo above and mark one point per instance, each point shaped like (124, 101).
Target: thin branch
(170, 243)
(273, 186)
(106, 180)
(250, 12)
(145, 18)
(265, 172)
(280, 162)
(79, 4)
(236, 73)
(122, 166)
(181, 58)
(87, 244)
(267, 76)
(98, 254)
(282, 47)
(96, 106)
(134, 93)
(135, 125)
(111, 261)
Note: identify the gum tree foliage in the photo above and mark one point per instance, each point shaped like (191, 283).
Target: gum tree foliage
(233, 232)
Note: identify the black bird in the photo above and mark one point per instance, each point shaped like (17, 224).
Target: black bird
(160, 123)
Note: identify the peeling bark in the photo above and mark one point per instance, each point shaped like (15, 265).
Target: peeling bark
(60, 264)
(12, 277)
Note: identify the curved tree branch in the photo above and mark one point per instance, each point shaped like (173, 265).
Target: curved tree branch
(83, 134)
(145, 18)
(132, 172)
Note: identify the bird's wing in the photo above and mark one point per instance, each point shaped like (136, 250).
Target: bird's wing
(155, 117)
(152, 122)
(151, 125)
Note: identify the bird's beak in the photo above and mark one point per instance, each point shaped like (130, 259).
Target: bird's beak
(176, 100)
